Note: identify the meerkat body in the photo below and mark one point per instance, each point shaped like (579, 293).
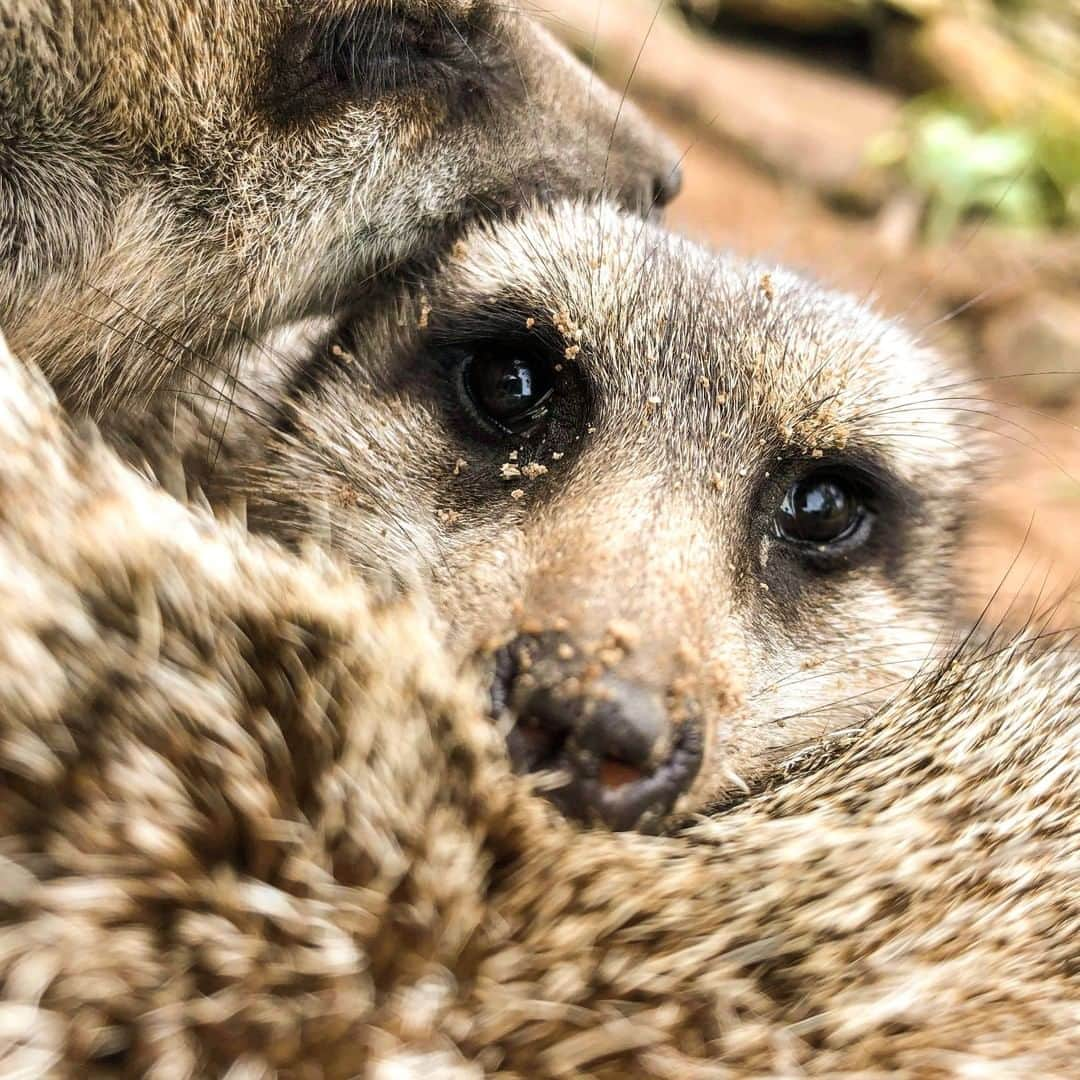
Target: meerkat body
(706, 508)
(254, 821)
(175, 178)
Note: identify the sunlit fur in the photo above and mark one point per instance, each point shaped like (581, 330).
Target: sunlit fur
(253, 824)
(706, 375)
(164, 197)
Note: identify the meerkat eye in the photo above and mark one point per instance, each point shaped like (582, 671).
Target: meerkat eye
(351, 56)
(509, 389)
(820, 509)
(359, 56)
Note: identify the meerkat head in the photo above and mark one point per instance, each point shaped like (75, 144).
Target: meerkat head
(691, 512)
(176, 175)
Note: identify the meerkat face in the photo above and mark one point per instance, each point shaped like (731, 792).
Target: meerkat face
(692, 512)
(178, 175)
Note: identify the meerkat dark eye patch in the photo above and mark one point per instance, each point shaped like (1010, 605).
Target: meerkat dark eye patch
(815, 522)
(834, 514)
(500, 372)
(377, 54)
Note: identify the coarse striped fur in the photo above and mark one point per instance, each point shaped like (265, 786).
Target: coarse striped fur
(637, 522)
(178, 175)
(254, 824)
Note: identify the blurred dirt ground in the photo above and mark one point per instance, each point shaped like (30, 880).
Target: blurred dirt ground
(1007, 303)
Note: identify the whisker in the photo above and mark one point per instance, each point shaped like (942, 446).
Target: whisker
(626, 91)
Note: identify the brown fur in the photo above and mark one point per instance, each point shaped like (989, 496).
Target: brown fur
(175, 177)
(699, 387)
(253, 825)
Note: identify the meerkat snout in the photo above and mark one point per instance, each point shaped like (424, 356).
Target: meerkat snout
(622, 762)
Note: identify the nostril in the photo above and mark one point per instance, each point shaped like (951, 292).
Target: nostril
(615, 774)
(541, 731)
(644, 803)
(534, 747)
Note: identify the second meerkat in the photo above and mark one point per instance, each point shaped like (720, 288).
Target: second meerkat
(178, 176)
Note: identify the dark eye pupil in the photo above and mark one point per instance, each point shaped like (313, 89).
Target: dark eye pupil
(505, 389)
(817, 510)
(510, 390)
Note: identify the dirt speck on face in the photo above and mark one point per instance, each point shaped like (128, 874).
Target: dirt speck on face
(517, 493)
(508, 470)
(624, 634)
(570, 332)
(533, 470)
(459, 466)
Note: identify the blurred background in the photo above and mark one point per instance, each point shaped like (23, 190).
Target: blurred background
(922, 152)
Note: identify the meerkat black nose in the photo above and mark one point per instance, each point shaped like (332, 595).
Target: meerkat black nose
(667, 185)
(620, 762)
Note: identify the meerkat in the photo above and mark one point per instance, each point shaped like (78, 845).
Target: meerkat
(255, 823)
(689, 511)
(176, 177)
